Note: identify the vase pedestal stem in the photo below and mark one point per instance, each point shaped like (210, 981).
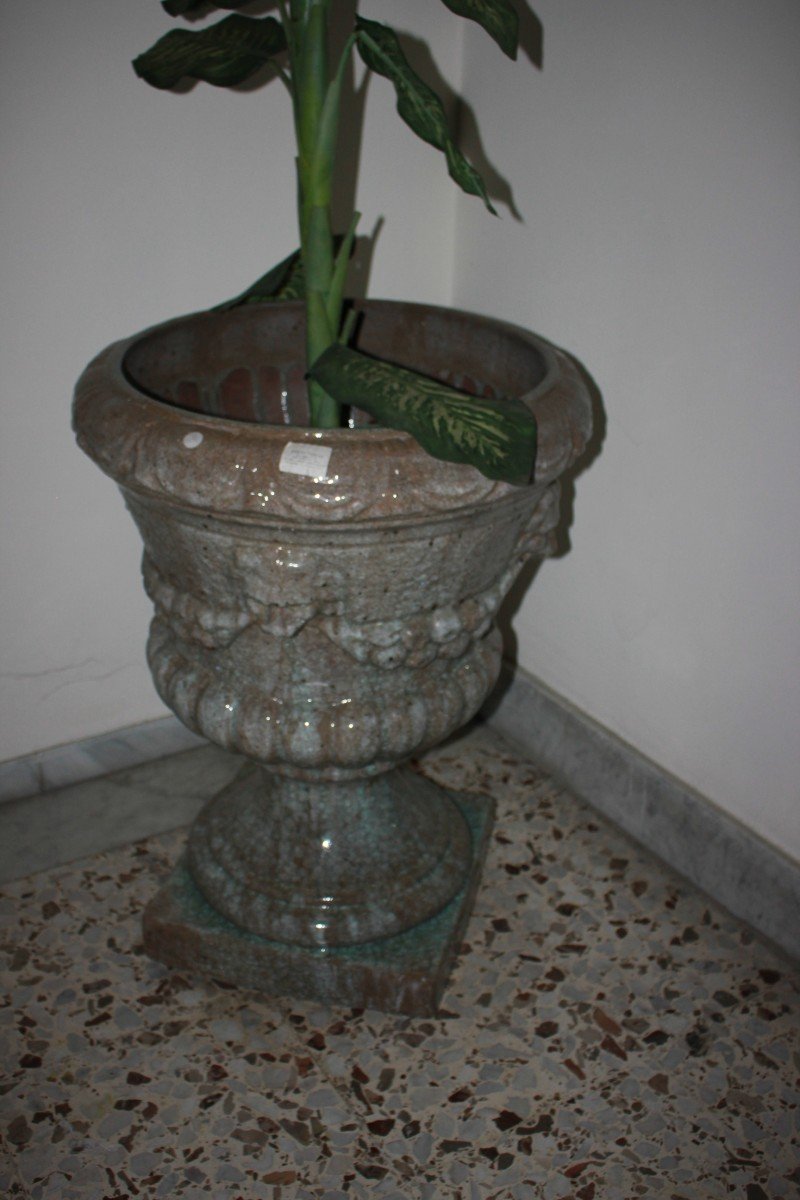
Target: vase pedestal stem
(359, 899)
(327, 863)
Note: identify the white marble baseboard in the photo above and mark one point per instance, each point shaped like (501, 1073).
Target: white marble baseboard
(42, 832)
(92, 757)
(728, 861)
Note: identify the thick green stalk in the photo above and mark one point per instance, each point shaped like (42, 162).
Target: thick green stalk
(316, 112)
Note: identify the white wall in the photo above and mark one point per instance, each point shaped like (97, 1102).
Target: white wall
(656, 158)
(123, 206)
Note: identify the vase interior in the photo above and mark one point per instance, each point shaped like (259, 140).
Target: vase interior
(248, 364)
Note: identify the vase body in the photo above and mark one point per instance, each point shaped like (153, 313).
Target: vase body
(324, 600)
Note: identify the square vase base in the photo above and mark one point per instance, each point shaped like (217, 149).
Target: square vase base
(405, 973)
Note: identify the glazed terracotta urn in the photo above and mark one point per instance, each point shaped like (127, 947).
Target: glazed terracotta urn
(324, 607)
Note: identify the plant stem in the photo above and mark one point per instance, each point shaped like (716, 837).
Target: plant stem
(316, 111)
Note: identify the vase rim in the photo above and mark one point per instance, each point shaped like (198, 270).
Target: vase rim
(150, 443)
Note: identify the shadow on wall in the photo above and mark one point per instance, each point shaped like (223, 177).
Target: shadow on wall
(513, 600)
(531, 42)
(461, 117)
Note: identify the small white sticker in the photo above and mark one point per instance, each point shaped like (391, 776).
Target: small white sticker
(302, 458)
(192, 439)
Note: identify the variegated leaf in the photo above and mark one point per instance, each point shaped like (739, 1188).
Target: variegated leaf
(285, 281)
(498, 17)
(224, 54)
(496, 436)
(417, 104)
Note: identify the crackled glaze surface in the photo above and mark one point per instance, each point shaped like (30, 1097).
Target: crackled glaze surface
(327, 626)
(395, 839)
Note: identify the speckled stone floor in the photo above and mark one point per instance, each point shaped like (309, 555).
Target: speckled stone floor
(607, 1033)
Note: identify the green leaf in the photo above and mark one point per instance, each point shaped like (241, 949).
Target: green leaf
(496, 436)
(282, 282)
(417, 104)
(287, 279)
(498, 17)
(343, 247)
(223, 54)
(184, 8)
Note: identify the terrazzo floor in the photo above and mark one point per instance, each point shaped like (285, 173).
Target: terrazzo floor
(608, 1032)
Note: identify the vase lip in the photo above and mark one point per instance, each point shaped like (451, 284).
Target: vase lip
(538, 346)
(153, 445)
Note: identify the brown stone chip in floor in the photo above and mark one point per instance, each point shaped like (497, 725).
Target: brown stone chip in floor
(608, 1033)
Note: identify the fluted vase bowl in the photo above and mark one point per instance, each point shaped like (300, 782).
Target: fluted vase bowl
(324, 605)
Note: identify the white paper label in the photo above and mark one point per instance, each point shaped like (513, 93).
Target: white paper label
(304, 458)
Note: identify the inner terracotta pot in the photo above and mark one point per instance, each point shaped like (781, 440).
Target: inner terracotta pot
(221, 364)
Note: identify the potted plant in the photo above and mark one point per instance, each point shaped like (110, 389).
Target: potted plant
(334, 499)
